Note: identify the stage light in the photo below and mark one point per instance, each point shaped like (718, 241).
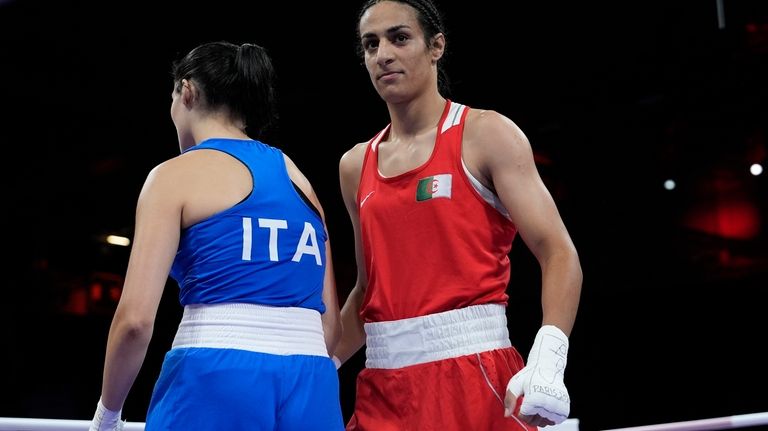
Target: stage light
(118, 240)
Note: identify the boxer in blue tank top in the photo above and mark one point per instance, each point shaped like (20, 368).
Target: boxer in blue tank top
(238, 226)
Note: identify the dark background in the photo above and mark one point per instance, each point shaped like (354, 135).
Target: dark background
(615, 97)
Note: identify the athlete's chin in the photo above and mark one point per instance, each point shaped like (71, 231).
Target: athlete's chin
(393, 96)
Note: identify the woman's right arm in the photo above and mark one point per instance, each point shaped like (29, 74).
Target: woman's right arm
(155, 242)
(353, 335)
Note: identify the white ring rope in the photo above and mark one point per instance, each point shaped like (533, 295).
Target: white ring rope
(25, 424)
(726, 422)
(722, 423)
(22, 424)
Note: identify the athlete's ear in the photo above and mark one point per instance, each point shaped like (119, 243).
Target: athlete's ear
(437, 47)
(189, 93)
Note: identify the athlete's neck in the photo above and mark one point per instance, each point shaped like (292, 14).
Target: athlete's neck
(415, 117)
(215, 127)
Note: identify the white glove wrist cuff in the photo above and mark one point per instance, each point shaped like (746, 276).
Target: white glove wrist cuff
(553, 330)
(541, 380)
(550, 341)
(106, 419)
(106, 414)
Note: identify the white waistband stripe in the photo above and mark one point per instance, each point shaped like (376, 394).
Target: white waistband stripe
(400, 343)
(256, 328)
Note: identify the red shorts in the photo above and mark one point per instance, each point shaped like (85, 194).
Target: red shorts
(455, 394)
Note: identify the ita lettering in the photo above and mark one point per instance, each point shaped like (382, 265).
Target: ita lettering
(307, 244)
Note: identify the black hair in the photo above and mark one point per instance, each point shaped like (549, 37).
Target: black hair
(431, 22)
(238, 79)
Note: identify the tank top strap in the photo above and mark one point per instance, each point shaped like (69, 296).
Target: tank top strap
(450, 132)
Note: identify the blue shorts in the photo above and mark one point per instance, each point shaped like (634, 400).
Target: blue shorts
(228, 389)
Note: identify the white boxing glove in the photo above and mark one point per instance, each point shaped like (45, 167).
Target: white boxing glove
(106, 420)
(541, 380)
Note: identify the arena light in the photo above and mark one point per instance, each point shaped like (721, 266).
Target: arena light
(118, 240)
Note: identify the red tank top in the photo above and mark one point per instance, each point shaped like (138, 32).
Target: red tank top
(431, 243)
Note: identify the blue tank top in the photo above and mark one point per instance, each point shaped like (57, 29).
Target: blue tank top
(268, 249)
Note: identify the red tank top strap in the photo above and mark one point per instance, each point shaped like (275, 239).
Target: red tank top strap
(370, 158)
(450, 131)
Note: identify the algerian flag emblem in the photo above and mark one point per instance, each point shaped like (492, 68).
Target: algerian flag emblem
(437, 186)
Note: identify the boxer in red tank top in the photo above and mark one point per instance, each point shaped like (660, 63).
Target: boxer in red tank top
(436, 199)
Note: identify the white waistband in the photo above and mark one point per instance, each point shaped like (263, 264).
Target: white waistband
(400, 343)
(257, 328)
